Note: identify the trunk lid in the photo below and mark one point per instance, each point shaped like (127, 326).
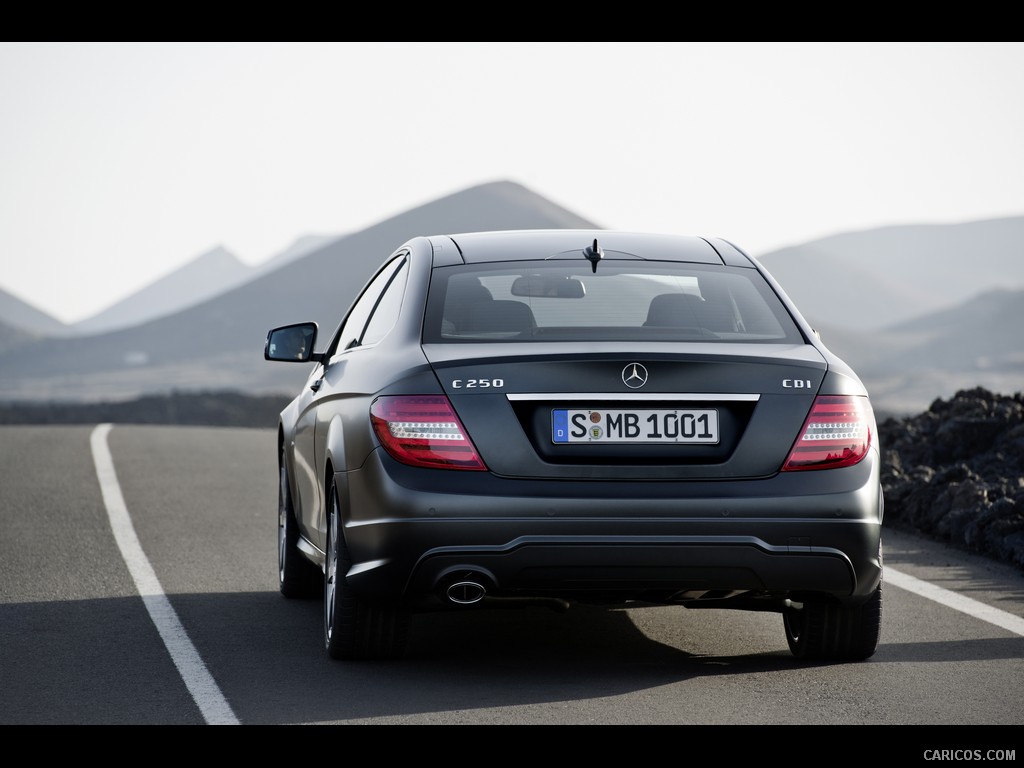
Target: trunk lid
(702, 411)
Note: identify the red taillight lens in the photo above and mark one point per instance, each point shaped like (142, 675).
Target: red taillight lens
(423, 431)
(837, 433)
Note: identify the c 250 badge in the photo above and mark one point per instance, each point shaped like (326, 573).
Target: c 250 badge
(478, 383)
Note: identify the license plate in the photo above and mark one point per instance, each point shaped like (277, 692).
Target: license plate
(634, 426)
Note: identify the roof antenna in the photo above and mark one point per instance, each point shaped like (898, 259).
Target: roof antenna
(594, 254)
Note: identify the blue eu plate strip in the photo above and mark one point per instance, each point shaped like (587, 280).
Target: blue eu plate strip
(560, 426)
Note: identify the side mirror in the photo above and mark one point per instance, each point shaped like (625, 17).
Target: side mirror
(291, 343)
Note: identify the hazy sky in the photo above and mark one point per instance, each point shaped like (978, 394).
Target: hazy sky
(120, 162)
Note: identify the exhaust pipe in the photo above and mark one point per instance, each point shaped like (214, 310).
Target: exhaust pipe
(469, 586)
(466, 592)
(465, 585)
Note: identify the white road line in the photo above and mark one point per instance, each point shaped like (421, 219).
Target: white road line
(204, 690)
(958, 602)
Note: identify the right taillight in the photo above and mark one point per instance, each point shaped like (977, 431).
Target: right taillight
(423, 431)
(837, 433)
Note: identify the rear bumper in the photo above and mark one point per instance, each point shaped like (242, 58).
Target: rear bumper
(413, 533)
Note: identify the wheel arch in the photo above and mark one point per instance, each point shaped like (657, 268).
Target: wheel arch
(335, 464)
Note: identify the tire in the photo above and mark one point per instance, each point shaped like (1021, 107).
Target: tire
(832, 631)
(353, 628)
(296, 576)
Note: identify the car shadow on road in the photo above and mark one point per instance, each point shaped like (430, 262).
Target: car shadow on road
(493, 659)
(103, 661)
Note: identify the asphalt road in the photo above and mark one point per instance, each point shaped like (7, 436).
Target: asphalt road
(166, 612)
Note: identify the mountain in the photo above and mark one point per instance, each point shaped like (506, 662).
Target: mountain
(920, 312)
(302, 246)
(218, 343)
(209, 274)
(873, 279)
(12, 337)
(909, 364)
(18, 314)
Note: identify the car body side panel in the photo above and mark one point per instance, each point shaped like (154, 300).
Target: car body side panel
(307, 498)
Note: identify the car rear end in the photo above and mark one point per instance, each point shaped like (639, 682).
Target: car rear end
(617, 418)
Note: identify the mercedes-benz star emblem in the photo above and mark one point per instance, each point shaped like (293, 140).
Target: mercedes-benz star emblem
(634, 375)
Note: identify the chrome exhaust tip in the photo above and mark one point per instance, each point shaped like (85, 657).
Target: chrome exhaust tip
(466, 592)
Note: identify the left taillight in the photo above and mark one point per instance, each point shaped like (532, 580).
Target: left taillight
(837, 433)
(423, 431)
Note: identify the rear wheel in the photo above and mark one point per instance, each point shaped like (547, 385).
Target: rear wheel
(296, 576)
(353, 628)
(832, 631)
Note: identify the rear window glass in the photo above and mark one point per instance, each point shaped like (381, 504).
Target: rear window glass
(625, 301)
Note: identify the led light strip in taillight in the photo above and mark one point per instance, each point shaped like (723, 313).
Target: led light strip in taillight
(417, 430)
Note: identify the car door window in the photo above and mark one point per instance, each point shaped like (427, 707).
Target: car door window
(352, 332)
(385, 313)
